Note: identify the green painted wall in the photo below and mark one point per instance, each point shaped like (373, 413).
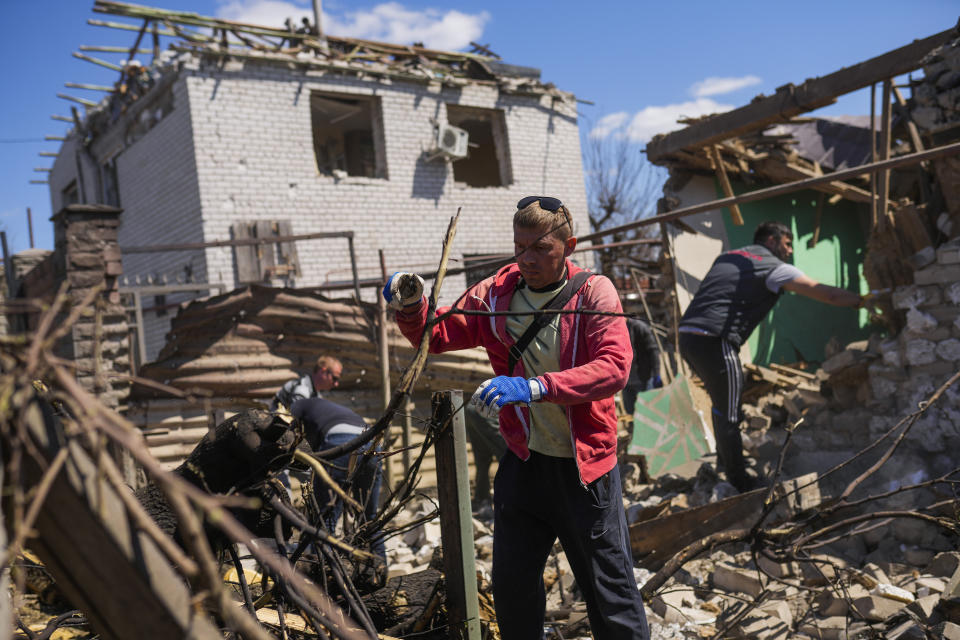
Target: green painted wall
(799, 328)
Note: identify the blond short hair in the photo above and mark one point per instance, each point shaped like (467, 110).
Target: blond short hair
(326, 362)
(558, 222)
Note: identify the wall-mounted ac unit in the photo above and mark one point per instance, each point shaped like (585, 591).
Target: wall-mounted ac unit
(451, 141)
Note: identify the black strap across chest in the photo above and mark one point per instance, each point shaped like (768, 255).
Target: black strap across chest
(540, 319)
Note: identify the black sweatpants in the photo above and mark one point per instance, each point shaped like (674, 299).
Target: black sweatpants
(540, 500)
(717, 363)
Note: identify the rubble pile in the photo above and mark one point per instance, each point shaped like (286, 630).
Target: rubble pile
(872, 384)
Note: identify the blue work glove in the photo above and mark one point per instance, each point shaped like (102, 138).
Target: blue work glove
(656, 383)
(403, 290)
(490, 396)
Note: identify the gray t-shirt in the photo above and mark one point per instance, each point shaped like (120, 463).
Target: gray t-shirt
(781, 275)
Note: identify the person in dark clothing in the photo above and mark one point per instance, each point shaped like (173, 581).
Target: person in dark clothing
(327, 425)
(738, 291)
(324, 377)
(645, 371)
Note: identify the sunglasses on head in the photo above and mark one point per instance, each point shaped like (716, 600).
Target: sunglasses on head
(546, 203)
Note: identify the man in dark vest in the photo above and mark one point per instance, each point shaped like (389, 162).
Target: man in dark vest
(740, 289)
(328, 425)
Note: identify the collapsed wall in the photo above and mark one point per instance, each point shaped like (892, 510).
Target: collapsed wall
(872, 385)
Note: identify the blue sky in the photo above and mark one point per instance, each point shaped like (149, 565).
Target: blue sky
(641, 63)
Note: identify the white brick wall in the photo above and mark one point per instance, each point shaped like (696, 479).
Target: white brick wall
(161, 205)
(250, 127)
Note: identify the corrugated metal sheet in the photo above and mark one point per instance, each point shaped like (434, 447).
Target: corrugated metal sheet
(250, 341)
(241, 346)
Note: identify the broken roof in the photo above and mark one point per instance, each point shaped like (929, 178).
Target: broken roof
(226, 38)
(791, 100)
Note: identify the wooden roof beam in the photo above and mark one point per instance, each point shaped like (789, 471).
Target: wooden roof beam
(786, 172)
(791, 100)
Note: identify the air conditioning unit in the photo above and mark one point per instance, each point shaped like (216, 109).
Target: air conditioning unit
(451, 141)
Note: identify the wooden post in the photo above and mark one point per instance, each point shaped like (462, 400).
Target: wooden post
(456, 517)
(353, 267)
(885, 155)
(384, 357)
(725, 184)
(384, 347)
(7, 266)
(141, 339)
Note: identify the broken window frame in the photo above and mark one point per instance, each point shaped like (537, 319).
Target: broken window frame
(464, 170)
(370, 107)
(263, 263)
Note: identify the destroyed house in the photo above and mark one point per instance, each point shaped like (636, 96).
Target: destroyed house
(842, 227)
(237, 132)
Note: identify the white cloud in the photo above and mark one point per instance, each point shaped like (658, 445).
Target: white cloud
(609, 123)
(662, 119)
(720, 86)
(267, 13)
(389, 22)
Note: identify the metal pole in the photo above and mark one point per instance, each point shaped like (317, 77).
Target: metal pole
(353, 267)
(318, 17)
(30, 226)
(456, 517)
(780, 189)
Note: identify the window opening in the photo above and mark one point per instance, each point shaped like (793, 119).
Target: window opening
(488, 162)
(346, 135)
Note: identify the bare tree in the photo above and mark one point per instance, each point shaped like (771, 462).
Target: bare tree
(622, 186)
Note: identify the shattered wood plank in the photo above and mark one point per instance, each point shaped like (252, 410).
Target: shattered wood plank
(266, 252)
(793, 372)
(786, 172)
(248, 266)
(791, 100)
(886, 130)
(659, 539)
(104, 566)
(725, 184)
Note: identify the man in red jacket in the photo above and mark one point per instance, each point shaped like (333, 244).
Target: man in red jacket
(554, 399)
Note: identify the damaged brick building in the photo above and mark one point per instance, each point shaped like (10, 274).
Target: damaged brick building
(253, 138)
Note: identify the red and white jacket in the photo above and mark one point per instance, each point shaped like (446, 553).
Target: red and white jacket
(595, 359)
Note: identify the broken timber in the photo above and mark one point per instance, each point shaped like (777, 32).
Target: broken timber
(780, 189)
(655, 541)
(791, 100)
(662, 537)
(114, 573)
